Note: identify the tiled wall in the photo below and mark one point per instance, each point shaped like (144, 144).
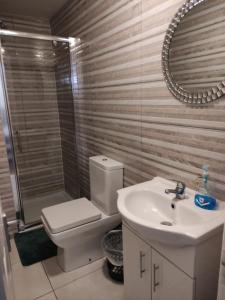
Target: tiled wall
(122, 105)
(41, 107)
(31, 86)
(67, 119)
(25, 24)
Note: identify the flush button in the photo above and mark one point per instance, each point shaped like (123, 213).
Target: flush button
(104, 159)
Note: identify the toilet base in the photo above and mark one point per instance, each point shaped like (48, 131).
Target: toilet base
(80, 254)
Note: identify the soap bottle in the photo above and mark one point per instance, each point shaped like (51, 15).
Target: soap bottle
(202, 197)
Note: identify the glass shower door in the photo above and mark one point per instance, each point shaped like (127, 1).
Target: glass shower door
(34, 115)
(6, 281)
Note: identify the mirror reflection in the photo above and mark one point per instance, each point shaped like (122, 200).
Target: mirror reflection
(197, 49)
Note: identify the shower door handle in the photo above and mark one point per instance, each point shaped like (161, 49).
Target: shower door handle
(6, 229)
(18, 140)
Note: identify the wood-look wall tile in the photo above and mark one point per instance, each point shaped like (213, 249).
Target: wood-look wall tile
(122, 105)
(31, 85)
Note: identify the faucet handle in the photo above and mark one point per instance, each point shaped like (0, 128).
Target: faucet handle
(180, 187)
(179, 190)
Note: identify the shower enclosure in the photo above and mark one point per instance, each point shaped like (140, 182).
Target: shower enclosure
(39, 124)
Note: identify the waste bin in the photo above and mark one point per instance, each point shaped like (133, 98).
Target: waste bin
(113, 249)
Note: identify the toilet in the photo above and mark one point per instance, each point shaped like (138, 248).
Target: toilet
(78, 226)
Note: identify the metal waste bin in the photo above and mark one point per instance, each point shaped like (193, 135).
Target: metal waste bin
(112, 244)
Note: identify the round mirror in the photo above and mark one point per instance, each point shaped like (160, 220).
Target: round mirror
(193, 55)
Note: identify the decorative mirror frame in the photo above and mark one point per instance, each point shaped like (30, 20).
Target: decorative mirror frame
(197, 98)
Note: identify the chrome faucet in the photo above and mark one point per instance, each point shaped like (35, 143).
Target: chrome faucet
(179, 191)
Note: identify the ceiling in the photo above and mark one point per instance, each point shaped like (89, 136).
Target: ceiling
(33, 8)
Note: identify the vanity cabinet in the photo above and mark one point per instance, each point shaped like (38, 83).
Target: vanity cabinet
(148, 275)
(169, 282)
(137, 267)
(178, 260)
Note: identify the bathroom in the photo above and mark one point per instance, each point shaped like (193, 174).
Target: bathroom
(107, 98)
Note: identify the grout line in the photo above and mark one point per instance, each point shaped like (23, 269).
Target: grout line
(44, 295)
(53, 291)
(55, 295)
(78, 278)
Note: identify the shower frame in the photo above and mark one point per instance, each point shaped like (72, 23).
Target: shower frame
(7, 127)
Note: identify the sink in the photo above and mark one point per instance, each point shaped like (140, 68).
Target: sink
(147, 209)
(154, 208)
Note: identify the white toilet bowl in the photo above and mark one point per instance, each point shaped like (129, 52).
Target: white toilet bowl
(78, 226)
(80, 245)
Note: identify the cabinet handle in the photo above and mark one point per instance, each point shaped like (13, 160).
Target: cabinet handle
(142, 270)
(155, 283)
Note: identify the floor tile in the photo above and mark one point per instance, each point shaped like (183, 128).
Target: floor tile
(58, 278)
(221, 292)
(95, 286)
(14, 256)
(30, 282)
(50, 296)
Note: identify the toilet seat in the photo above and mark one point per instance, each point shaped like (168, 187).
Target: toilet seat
(71, 214)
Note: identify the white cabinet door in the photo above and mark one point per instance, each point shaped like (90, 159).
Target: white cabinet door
(169, 282)
(137, 272)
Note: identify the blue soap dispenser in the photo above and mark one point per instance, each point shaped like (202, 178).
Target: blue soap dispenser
(202, 197)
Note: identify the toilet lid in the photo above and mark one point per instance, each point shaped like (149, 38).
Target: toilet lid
(70, 214)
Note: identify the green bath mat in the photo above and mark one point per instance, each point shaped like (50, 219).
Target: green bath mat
(34, 246)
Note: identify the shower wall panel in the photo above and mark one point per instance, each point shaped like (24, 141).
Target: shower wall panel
(31, 85)
(67, 119)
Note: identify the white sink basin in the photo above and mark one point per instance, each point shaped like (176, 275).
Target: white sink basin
(147, 209)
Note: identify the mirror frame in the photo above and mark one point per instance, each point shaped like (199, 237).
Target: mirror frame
(194, 98)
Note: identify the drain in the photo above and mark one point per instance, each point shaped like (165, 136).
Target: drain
(166, 223)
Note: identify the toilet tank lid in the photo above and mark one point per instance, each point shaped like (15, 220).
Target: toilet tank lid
(105, 162)
(70, 214)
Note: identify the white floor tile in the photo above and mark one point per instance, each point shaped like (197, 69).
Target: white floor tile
(221, 292)
(30, 282)
(58, 278)
(95, 286)
(50, 296)
(14, 256)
